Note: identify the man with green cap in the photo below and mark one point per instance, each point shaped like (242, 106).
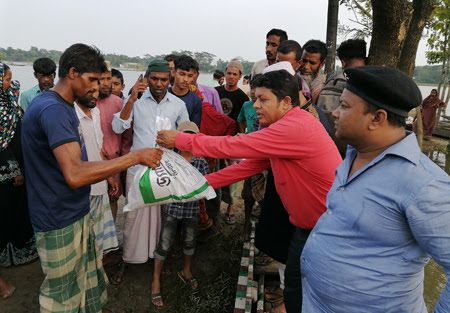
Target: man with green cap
(142, 227)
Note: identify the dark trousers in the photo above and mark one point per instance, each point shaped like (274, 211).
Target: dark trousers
(292, 274)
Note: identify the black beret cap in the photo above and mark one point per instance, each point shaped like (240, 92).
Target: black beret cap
(385, 87)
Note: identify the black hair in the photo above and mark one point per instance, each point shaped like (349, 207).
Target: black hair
(352, 49)
(278, 32)
(247, 77)
(393, 119)
(185, 63)
(44, 66)
(289, 46)
(218, 74)
(5, 68)
(254, 78)
(118, 74)
(84, 58)
(281, 83)
(170, 57)
(316, 46)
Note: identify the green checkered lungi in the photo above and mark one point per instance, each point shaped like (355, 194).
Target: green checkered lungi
(75, 280)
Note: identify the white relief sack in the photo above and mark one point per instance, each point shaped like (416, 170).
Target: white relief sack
(174, 180)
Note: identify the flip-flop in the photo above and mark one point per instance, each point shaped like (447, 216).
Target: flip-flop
(156, 297)
(190, 282)
(227, 218)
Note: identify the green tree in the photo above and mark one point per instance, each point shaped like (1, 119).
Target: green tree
(438, 41)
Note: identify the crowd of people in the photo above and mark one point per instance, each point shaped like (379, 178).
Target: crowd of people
(349, 206)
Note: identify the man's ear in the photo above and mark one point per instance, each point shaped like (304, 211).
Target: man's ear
(286, 103)
(72, 73)
(379, 119)
(322, 65)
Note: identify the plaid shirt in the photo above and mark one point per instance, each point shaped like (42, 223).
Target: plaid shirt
(187, 209)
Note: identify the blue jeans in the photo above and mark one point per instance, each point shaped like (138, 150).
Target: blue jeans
(293, 275)
(169, 226)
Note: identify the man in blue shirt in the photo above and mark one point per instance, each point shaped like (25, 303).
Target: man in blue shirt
(387, 211)
(44, 71)
(58, 179)
(184, 73)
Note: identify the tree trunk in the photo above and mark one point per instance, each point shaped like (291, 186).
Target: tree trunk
(332, 24)
(390, 25)
(397, 29)
(422, 10)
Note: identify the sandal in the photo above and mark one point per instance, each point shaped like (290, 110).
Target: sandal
(228, 218)
(156, 297)
(190, 282)
(116, 276)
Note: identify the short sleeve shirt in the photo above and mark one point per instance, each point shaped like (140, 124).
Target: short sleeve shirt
(49, 123)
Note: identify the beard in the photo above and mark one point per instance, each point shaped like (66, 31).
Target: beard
(310, 77)
(89, 103)
(103, 95)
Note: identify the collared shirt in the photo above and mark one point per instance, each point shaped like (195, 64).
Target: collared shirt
(181, 210)
(93, 139)
(301, 153)
(368, 251)
(112, 146)
(144, 113)
(27, 96)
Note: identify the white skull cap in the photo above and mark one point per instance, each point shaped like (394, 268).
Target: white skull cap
(285, 65)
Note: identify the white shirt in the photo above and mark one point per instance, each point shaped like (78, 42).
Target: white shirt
(93, 140)
(144, 113)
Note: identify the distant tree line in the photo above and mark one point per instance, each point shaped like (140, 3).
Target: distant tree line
(423, 74)
(207, 61)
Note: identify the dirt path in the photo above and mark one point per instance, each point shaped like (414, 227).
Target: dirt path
(215, 265)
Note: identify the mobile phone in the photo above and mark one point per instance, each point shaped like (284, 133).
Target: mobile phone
(141, 80)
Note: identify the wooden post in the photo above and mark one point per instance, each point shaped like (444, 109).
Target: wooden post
(333, 13)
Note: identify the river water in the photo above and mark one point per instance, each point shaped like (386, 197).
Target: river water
(435, 278)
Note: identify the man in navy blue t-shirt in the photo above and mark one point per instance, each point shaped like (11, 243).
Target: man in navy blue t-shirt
(58, 179)
(184, 73)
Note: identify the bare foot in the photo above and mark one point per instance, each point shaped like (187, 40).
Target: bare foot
(6, 290)
(279, 308)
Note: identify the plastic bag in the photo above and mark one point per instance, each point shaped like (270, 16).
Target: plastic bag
(174, 180)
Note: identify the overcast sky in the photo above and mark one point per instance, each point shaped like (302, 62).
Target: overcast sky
(227, 28)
